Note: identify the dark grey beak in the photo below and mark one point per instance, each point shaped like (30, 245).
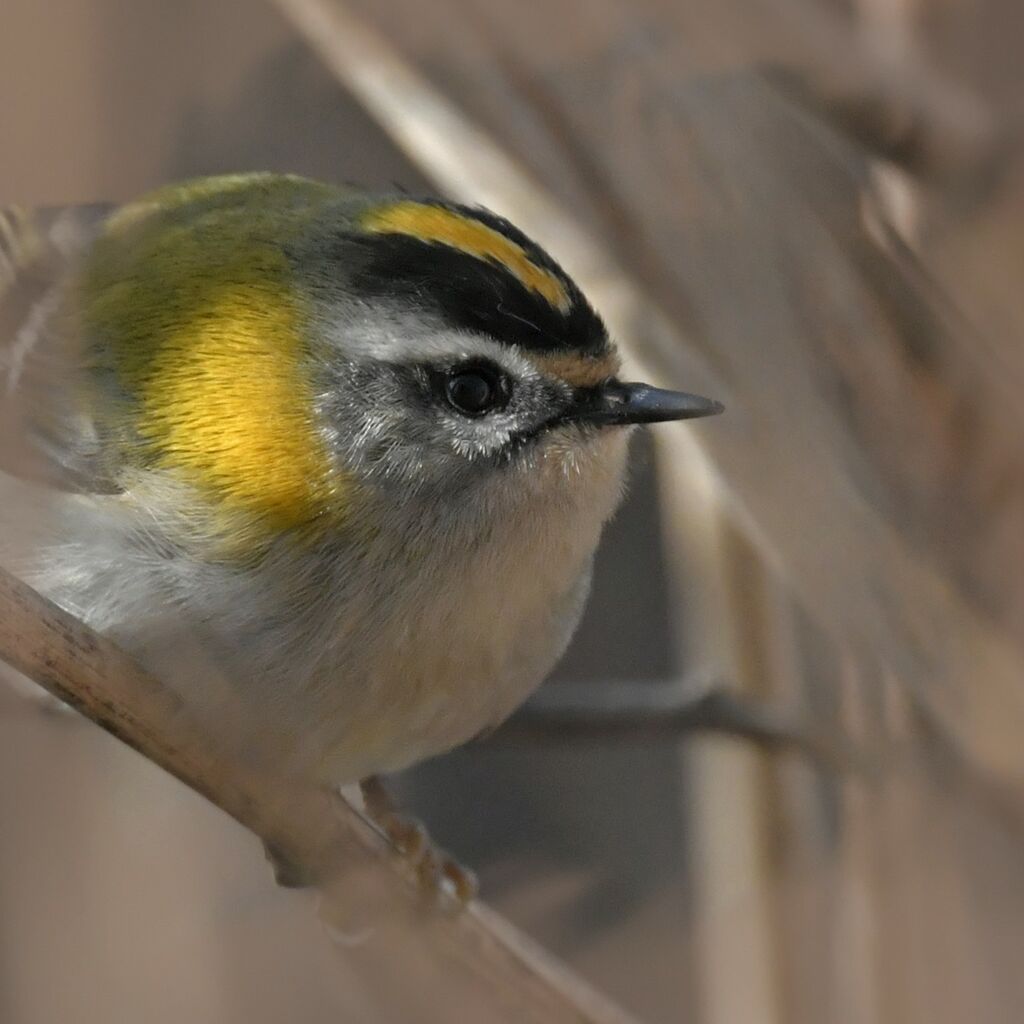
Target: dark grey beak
(618, 403)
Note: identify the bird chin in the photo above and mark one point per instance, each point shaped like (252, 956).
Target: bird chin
(568, 446)
(584, 450)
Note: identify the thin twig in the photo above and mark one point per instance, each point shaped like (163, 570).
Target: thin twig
(643, 712)
(316, 830)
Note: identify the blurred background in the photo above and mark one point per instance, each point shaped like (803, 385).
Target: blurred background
(779, 777)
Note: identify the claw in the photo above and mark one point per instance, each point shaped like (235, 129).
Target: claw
(435, 871)
(462, 880)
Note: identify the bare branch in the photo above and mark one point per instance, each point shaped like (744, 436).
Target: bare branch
(474, 953)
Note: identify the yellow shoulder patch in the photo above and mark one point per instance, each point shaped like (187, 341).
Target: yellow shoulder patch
(460, 231)
(201, 327)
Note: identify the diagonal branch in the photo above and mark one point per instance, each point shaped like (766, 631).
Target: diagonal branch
(475, 952)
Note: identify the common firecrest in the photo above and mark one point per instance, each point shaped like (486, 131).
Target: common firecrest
(356, 450)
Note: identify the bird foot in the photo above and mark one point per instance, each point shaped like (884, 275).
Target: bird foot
(436, 873)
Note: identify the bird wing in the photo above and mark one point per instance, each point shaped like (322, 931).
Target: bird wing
(46, 432)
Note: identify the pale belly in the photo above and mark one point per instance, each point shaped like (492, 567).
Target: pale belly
(439, 688)
(342, 689)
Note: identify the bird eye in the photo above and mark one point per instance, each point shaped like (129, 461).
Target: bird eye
(476, 390)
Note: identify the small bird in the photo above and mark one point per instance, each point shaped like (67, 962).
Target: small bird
(333, 465)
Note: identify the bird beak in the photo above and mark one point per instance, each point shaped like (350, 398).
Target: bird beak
(618, 403)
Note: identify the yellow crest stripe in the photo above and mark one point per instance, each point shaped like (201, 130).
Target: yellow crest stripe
(448, 227)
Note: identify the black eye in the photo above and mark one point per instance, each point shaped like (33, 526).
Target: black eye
(476, 390)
